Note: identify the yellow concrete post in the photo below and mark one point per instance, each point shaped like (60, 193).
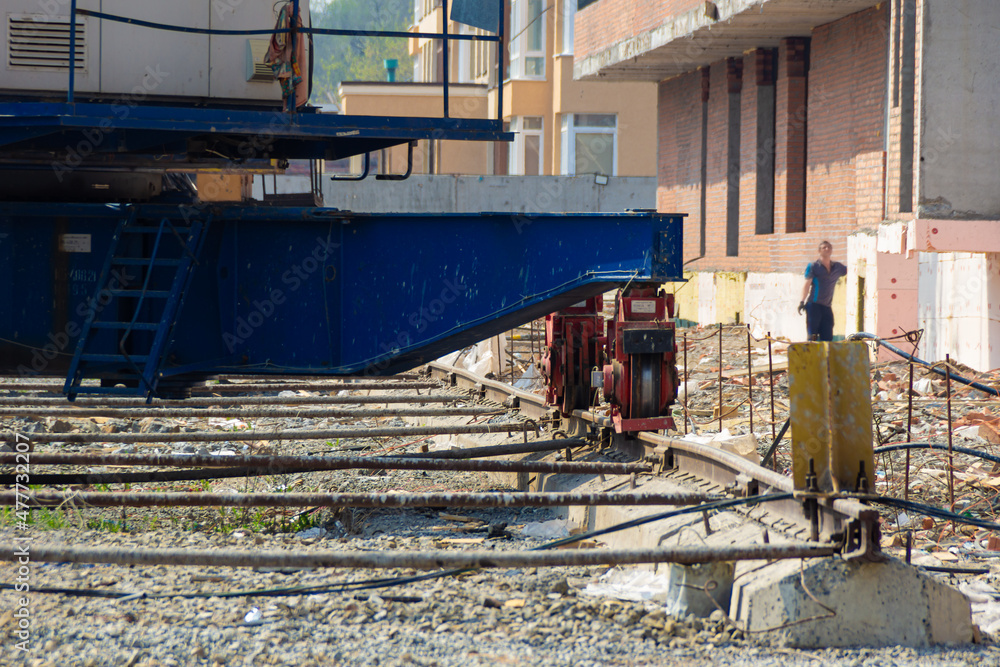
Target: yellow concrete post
(831, 414)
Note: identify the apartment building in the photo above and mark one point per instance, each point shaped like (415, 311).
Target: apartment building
(782, 123)
(561, 126)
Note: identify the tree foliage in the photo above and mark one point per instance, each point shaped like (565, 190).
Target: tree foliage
(358, 58)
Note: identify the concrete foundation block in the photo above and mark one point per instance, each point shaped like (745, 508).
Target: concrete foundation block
(831, 603)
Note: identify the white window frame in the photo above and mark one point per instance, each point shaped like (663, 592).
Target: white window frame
(516, 157)
(519, 32)
(568, 13)
(568, 142)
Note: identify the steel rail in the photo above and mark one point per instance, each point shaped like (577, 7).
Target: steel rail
(71, 412)
(727, 469)
(531, 405)
(248, 436)
(282, 464)
(418, 560)
(17, 401)
(394, 500)
(837, 518)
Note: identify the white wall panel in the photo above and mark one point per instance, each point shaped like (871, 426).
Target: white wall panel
(139, 62)
(18, 78)
(228, 59)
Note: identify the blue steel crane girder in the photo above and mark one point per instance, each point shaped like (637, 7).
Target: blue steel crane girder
(313, 290)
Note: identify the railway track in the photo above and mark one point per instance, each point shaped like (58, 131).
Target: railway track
(350, 487)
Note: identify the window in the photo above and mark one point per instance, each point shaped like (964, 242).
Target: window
(526, 153)
(479, 56)
(568, 12)
(589, 145)
(428, 63)
(527, 33)
(422, 8)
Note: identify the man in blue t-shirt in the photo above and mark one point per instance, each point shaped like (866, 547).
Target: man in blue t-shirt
(817, 293)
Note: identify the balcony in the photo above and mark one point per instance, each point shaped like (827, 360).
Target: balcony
(629, 40)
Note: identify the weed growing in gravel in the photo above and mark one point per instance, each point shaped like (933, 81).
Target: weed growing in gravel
(107, 526)
(42, 518)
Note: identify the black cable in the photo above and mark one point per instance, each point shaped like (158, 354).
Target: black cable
(936, 512)
(933, 445)
(861, 335)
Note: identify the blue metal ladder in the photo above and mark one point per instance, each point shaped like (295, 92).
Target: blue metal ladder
(139, 304)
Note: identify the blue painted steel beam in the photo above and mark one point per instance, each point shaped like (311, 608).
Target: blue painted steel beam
(312, 290)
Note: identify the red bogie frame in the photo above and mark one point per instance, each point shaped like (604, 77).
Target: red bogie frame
(638, 357)
(574, 343)
(642, 354)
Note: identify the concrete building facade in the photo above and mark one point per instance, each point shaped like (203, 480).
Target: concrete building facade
(782, 123)
(562, 126)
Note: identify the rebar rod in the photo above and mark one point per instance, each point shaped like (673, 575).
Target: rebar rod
(229, 387)
(951, 454)
(183, 475)
(418, 560)
(687, 393)
(312, 386)
(909, 434)
(395, 500)
(290, 434)
(281, 464)
(750, 378)
(721, 410)
(235, 400)
(770, 381)
(387, 379)
(530, 447)
(73, 412)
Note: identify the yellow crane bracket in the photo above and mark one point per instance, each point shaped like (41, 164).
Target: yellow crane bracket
(831, 414)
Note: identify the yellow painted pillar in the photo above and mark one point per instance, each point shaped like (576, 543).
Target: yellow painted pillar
(831, 414)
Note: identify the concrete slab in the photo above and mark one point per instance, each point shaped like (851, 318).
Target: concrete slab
(829, 603)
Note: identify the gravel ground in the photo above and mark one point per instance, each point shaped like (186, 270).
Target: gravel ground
(517, 617)
(206, 616)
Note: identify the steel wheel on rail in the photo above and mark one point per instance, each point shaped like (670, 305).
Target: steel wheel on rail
(646, 384)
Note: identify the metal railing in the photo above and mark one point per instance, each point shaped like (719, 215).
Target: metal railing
(444, 35)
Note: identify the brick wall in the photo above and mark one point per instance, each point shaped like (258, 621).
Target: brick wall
(718, 152)
(679, 154)
(608, 22)
(847, 90)
(844, 168)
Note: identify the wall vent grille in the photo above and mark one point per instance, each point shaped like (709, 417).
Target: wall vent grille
(37, 41)
(257, 70)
